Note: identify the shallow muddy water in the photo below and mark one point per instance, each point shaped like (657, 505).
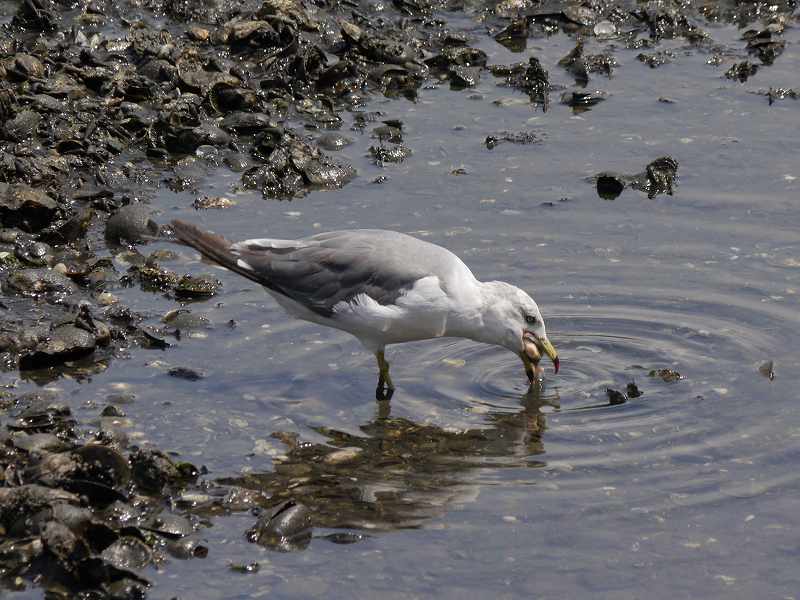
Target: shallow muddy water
(470, 485)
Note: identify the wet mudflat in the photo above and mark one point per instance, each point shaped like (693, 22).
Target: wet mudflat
(468, 484)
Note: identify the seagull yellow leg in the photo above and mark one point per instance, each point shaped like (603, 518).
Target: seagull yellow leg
(385, 387)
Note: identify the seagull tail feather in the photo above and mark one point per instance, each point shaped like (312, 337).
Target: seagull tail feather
(213, 247)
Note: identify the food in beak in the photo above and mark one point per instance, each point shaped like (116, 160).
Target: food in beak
(534, 347)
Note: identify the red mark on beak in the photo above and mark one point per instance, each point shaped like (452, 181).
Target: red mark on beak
(556, 364)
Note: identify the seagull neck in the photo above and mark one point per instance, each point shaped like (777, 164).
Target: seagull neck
(470, 319)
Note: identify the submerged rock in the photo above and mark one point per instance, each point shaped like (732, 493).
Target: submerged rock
(658, 178)
(286, 528)
(197, 286)
(657, 59)
(582, 101)
(667, 375)
(464, 77)
(523, 138)
(610, 185)
(632, 390)
(530, 78)
(515, 35)
(766, 44)
(661, 174)
(580, 65)
(615, 397)
(742, 71)
(392, 153)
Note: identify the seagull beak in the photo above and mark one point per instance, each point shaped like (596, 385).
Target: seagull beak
(550, 350)
(533, 348)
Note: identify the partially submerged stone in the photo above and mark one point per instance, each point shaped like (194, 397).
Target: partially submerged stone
(132, 223)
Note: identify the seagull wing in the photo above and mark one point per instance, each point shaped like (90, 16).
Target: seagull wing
(323, 270)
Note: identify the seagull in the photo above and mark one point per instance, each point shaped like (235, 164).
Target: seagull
(383, 287)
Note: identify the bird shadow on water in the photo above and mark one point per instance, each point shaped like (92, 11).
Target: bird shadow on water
(400, 474)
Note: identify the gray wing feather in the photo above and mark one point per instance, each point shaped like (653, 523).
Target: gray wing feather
(329, 268)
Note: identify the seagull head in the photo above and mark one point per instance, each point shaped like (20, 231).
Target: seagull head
(517, 324)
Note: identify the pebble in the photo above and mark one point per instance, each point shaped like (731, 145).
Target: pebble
(342, 456)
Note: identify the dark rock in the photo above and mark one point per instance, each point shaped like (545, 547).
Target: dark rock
(37, 254)
(39, 282)
(253, 567)
(15, 555)
(184, 549)
(59, 540)
(27, 208)
(185, 373)
(327, 173)
(128, 553)
(615, 397)
(765, 44)
(582, 101)
(286, 528)
(132, 223)
(22, 126)
(667, 375)
(333, 141)
(393, 153)
(667, 22)
(345, 537)
(170, 525)
(152, 471)
(27, 67)
(17, 503)
(66, 343)
(39, 15)
(580, 65)
(8, 100)
(661, 174)
(658, 178)
(200, 286)
(457, 56)
(38, 443)
(464, 77)
(112, 411)
(632, 390)
(522, 138)
(388, 133)
(245, 122)
(515, 35)
(774, 94)
(213, 202)
(68, 229)
(741, 71)
(657, 59)
(102, 464)
(609, 186)
(530, 78)
(96, 572)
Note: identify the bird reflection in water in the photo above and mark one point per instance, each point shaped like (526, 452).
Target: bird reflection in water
(399, 474)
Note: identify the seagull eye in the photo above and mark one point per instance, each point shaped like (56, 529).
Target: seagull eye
(530, 319)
